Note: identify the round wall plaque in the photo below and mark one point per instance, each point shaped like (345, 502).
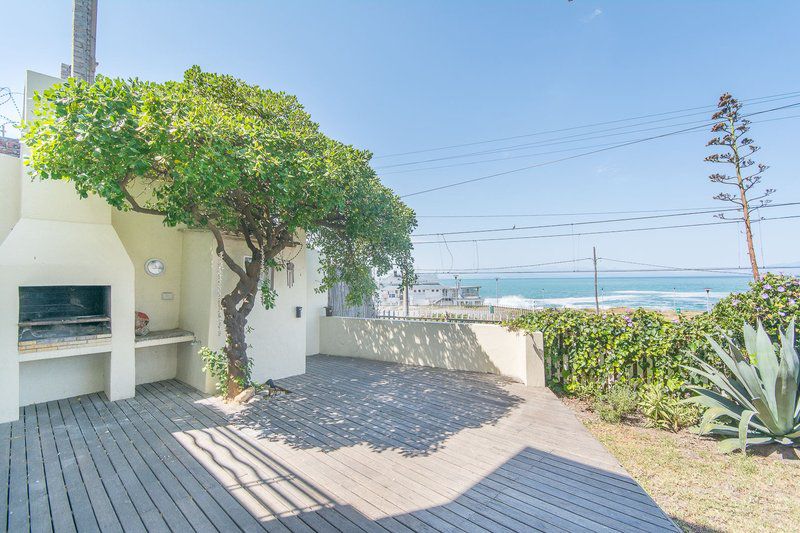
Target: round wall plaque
(154, 267)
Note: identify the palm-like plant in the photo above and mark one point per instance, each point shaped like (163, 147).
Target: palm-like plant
(759, 402)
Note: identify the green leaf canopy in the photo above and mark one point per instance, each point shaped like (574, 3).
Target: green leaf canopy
(212, 151)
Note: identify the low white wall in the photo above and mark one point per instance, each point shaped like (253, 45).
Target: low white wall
(455, 346)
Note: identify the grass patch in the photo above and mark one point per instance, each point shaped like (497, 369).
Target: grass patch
(700, 488)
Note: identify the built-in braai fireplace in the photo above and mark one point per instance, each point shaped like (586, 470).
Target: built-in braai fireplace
(64, 316)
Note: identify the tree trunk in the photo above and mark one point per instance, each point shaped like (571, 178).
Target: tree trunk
(750, 248)
(235, 348)
(751, 251)
(236, 307)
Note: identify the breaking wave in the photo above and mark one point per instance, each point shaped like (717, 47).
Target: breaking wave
(622, 298)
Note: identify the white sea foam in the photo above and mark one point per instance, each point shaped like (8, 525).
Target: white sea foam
(677, 294)
(648, 299)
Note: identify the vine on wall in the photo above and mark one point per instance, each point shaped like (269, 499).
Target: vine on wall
(646, 347)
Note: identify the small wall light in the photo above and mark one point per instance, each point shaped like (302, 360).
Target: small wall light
(154, 267)
(298, 312)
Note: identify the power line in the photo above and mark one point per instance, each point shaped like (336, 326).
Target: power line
(566, 139)
(627, 143)
(672, 268)
(575, 214)
(572, 128)
(736, 271)
(547, 142)
(585, 222)
(499, 268)
(604, 232)
(739, 271)
(537, 154)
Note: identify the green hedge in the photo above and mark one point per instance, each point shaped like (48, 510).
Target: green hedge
(584, 348)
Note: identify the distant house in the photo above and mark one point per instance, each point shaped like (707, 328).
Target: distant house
(427, 290)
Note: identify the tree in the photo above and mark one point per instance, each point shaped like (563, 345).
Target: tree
(731, 129)
(214, 152)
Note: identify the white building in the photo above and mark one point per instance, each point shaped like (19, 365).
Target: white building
(427, 290)
(74, 272)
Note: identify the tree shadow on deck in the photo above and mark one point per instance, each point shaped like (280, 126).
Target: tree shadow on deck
(343, 402)
(531, 490)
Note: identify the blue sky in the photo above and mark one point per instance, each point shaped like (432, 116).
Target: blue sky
(405, 76)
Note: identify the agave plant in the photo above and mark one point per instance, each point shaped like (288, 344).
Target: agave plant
(759, 402)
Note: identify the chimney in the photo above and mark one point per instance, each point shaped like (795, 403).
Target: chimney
(84, 38)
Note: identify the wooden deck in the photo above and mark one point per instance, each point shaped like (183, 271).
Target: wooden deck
(357, 446)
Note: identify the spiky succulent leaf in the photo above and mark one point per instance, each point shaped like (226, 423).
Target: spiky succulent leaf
(721, 429)
(749, 339)
(733, 444)
(761, 396)
(767, 365)
(744, 424)
(733, 388)
(710, 416)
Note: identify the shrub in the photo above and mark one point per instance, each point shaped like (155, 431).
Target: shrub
(583, 391)
(619, 401)
(662, 408)
(774, 301)
(758, 400)
(216, 363)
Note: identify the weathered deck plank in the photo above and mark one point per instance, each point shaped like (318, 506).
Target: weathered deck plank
(358, 445)
(56, 488)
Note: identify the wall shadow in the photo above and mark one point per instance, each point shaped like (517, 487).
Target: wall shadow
(342, 402)
(447, 345)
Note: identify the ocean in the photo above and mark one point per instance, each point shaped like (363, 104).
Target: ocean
(690, 293)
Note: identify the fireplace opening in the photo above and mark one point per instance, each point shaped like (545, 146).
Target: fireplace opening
(71, 314)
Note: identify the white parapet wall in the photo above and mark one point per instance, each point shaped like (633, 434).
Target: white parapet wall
(487, 348)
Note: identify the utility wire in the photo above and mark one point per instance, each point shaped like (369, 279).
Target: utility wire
(498, 268)
(591, 135)
(576, 214)
(737, 271)
(630, 270)
(620, 145)
(603, 232)
(585, 222)
(537, 154)
(722, 270)
(573, 128)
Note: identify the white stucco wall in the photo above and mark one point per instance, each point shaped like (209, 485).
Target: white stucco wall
(10, 168)
(455, 346)
(145, 237)
(315, 302)
(156, 363)
(55, 200)
(196, 307)
(277, 338)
